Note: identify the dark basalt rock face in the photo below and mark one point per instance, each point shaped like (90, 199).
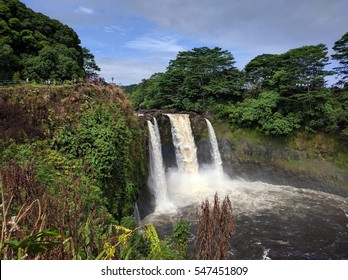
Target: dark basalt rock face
(243, 164)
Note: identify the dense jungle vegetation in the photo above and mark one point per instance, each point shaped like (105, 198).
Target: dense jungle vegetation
(34, 47)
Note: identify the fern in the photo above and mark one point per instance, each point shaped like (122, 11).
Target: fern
(152, 236)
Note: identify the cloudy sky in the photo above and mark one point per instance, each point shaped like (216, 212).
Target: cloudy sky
(132, 39)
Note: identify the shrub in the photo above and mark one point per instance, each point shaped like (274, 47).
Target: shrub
(216, 225)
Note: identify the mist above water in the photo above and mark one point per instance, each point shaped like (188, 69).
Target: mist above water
(191, 183)
(273, 221)
(188, 183)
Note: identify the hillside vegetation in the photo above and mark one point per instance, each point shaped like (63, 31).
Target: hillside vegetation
(73, 158)
(34, 47)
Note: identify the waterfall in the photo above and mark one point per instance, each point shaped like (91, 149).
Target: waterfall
(136, 213)
(214, 149)
(185, 147)
(170, 188)
(157, 178)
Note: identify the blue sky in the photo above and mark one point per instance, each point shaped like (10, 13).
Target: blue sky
(132, 39)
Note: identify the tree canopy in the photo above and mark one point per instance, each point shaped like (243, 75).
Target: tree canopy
(275, 93)
(192, 81)
(38, 47)
(294, 71)
(341, 55)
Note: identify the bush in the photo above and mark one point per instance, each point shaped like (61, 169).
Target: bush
(100, 147)
(280, 125)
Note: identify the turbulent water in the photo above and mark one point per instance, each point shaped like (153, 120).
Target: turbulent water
(273, 222)
(277, 222)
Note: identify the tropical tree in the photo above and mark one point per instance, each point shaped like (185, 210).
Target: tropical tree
(199, 64)
(341, 55)
(90, 67)
(194, 81)
(302, 69)
(9, 62)
(260, 70)
(28, 41)
(53, 62)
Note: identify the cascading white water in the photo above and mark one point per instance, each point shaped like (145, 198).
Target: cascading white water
(157, 178)
(215, 149)
(136, 213)
(274, 221)
(185, 147)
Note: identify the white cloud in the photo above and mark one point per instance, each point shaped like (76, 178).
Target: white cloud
(116, 28)
(157, 43)
(128, 71)
(249, 25)
(84, 10)
(109, 29)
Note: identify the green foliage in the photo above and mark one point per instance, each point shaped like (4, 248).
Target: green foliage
(341, 55)
(129, 222)
(155, 248)
(36, 243)
(40, 48)
(9, 62)
(181, 232)
(280, 125)
(89, 65)
(298, 77)
(297, 71)
(86, 163)
(53, 62)
(100, 145)
(193, 81)
(260, 70)
(16, 77)
(262, 113)
(140, 243)
(303, 69)
(276, 94)
(256, 111)
(180, 236)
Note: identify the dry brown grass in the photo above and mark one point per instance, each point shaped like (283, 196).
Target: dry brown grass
(216, 225)
(28, 208)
